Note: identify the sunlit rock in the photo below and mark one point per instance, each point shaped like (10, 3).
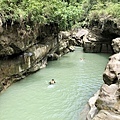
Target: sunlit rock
(78, 36)
(93, 109)
(25, 51)
(111, 74)
(106, 115)
(64, 34)
(107, 98)
(116, 45)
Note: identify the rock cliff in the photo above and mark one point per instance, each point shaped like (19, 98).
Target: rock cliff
(26, 49)
(105, 104)
(108, 99)
(101, 33)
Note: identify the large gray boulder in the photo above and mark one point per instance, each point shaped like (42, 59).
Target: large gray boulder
(108, 98)
(105, 104)
(78, 34)
(111, 74)
(108, 103)
(116, 45)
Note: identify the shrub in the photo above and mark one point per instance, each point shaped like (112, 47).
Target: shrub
(40, 12)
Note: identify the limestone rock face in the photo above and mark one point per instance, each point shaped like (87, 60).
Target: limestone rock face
(106, 30)
(15, 40)
(116, 45)
(64, 34)
(66, 44)
(105, 105)
(105, 115)
(101, 33)
(78, 35)
(24, 51)
(107, 26)
(108, 100)
(93, 109)
(108, 103)
(111, 74)
(92, 42)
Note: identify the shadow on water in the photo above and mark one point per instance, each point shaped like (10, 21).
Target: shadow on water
(105, 55)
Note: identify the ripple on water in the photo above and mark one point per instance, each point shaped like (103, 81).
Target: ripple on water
(76, 81)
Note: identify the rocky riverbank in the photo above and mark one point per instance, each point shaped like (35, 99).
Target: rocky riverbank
(24, 50)
(105, 104)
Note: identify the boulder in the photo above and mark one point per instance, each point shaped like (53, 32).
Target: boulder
(78, 35)
(106, 105)
(53, 56)
(108, 98)
(106, 115)
(111, 74)
(71, 48)
(116, 45)
(107, 101)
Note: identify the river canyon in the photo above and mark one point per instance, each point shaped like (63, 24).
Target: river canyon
(76, 81)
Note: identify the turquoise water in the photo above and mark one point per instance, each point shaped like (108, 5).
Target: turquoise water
(76, 81)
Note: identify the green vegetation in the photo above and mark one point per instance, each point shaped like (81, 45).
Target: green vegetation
(64, 13)
(105, 9)
(40, 12)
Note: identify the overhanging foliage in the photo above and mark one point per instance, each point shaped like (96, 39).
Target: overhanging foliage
(64, 13)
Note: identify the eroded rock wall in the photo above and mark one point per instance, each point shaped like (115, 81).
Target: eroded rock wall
(108, 99)
(106, 104)
(26, 50)
(101, 33)
(116, 45)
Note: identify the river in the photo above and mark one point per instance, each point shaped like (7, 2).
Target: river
(76, 81)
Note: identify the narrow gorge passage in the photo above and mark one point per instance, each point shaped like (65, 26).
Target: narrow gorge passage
(76, 81)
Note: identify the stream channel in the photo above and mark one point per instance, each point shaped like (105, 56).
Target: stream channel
(76, 81)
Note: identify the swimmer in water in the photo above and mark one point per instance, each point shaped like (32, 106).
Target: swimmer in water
(81, 59)
(52, 82)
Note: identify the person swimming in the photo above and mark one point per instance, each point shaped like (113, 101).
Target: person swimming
(52, 82)
(81, 59)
